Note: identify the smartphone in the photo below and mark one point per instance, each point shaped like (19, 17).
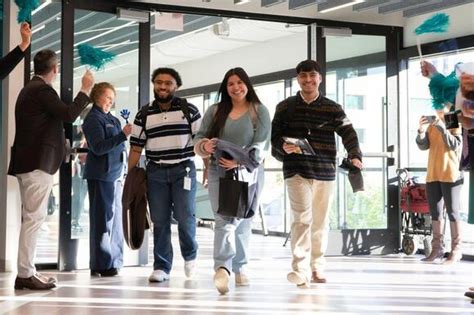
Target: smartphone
(430, 119)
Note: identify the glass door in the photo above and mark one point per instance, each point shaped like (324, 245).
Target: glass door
(46, 27)
(356, 79)
(106, 32)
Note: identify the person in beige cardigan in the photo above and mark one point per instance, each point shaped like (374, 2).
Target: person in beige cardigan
(444, 179)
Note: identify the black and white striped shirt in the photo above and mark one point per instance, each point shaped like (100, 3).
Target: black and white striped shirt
(167, 137)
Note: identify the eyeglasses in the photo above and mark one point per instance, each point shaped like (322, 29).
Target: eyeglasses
(304, 75)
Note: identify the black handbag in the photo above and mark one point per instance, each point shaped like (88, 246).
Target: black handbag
(236, 197)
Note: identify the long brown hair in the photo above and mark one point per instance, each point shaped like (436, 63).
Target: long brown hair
(224, 106)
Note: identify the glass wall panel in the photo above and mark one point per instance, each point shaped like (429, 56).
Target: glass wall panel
(356, 79)
(104, 31)
(46, 24)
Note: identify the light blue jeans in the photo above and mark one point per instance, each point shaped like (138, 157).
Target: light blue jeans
(231, 235)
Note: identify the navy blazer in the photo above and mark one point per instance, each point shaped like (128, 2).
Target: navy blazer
(105, 140)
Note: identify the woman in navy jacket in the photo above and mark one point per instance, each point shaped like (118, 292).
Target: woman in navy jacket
(104, 172)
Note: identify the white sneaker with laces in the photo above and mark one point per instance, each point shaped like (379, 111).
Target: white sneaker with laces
(190, 268)
(158, 276)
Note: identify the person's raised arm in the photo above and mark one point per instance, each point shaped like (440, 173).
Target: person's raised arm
(25, 32)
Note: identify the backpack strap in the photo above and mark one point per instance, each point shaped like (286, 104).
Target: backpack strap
(290, 109)
(185, 109)
(144, 115)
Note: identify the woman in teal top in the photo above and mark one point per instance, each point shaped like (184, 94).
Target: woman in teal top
(240, 118)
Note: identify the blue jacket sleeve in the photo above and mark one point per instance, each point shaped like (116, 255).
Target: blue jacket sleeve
(95, 135)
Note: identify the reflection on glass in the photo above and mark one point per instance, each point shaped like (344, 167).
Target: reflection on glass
(360, 88)
(80, 204)
(270, 94)
(272, 202)
(104, 31)
(48, 37)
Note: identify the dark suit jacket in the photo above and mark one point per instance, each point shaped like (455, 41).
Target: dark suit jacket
(39, 138)
(9, 62)
(105, 141)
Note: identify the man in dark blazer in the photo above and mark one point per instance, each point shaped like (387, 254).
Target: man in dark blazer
(37, 153)
(9, 62)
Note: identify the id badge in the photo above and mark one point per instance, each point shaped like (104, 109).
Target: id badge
(187, 183)
(187, 180)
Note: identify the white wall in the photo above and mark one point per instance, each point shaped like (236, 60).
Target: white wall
(461, 24)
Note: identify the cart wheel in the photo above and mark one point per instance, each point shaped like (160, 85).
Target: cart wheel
(427, 246)
(408, 245)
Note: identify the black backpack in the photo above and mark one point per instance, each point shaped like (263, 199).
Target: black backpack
(278, 153)
(183, 103)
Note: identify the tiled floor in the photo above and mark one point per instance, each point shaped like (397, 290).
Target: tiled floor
(356, 285)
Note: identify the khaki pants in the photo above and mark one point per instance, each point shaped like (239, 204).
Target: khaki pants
(310, 201)
(35, 188)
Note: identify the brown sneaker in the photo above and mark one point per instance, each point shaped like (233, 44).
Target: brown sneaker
(33, 283)
(318, 277)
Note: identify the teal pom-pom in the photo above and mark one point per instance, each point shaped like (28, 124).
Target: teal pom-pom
(438, 23)
(443, 89)
(25, 8)
(94, 57)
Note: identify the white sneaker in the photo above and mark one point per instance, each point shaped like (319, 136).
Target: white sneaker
(297, 278)
(158, 276)
(221, 280)
(241, 279)
(190, 268)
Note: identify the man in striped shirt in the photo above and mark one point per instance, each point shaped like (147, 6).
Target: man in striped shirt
(310, 178)
(166, 134)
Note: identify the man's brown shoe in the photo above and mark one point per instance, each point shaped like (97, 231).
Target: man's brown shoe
(469, 294)
(46, 278)
(33, 283)
(317, 277)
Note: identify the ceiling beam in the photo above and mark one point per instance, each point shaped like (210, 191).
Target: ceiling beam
(405, 4)
(368, 4)
(270, 3)
(299, 4)
(434, 7)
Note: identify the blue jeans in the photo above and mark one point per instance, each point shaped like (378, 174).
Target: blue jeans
(231, 235)
(105, 219)
(167, 197)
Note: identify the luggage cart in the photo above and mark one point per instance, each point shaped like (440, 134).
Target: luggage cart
(415, 214)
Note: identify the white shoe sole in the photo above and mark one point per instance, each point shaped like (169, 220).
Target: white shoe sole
(221, 282)
(296, 278)
(156, 279)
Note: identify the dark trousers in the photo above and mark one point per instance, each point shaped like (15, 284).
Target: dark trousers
(105, 217)
(442, 194)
